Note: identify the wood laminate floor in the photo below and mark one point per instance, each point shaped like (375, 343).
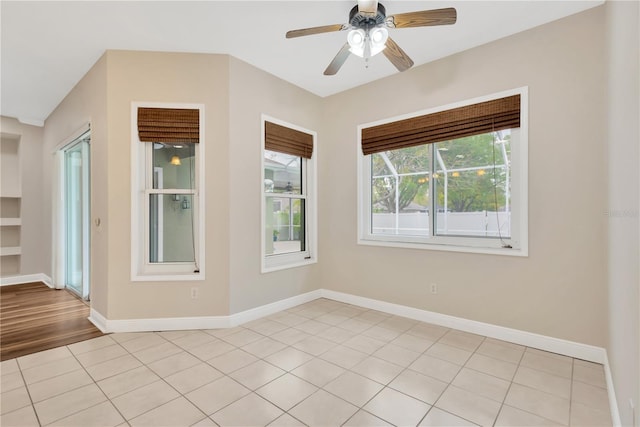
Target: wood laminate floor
(34, 317)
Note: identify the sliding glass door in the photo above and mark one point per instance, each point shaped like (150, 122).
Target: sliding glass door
(76, 216)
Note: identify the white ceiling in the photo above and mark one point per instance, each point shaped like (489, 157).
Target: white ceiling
(48, 46)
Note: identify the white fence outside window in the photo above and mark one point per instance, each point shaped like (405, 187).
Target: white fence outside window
(478, 224)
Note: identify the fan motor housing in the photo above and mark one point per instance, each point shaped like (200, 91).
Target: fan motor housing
(361, 20)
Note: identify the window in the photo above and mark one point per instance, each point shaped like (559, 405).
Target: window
(167, 197)
(452, 178)
(288, 202)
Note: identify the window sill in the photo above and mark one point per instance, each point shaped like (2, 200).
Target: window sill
(272, 268)
(518, 252)
(174, 277)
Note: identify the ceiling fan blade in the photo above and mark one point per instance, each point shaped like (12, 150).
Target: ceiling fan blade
(424, 18)
(316, 30)
(368, 7)
(337, 62)
(397, 56)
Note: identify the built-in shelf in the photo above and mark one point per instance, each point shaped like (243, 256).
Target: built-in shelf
(10, 265)
(10, 250)
(10, 165)
(10, 205)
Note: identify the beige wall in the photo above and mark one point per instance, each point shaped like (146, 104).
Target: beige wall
(253, 93)
(622, 19)
(232, 175)
(174, 78)
(560, 289)
(576, 69)
(35, 254)
(86, 103)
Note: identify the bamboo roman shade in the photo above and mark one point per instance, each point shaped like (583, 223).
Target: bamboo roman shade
(169, 125)
(497, 114)
(287, 140)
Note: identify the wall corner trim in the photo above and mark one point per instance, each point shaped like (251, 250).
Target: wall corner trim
(28, 278)
(98, 320)
(611, 393)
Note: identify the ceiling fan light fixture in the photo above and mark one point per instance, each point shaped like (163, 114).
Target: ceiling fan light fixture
(378, 37)
(356, 40)
(368, 35)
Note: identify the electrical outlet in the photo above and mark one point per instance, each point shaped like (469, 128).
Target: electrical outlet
(195, 293)
(434, 288)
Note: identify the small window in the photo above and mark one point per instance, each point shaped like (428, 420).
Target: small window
(167, 205)
(451, 179)
(288, 213)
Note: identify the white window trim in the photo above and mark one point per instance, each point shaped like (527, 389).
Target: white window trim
(519, 193)
(141, 271)
(310, 255)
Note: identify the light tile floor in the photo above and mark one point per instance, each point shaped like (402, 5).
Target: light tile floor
(319, 364)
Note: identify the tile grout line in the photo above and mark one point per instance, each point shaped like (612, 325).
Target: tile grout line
(77, 388)
(26, 387)
(346, 370)
(262, 359)
(515, 372)
(98, 385)
(571, 391)
(453, 379)
(535, 389)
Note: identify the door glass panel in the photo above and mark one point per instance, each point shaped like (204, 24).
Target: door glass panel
(74, 218)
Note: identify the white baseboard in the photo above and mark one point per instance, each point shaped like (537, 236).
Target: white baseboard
(529, 339)
(275, 307)
(158, 324)
(27, 278)
(542, 342)
(203, 322)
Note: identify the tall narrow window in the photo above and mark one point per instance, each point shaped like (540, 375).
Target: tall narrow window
(288, 196)
(170, 197)
(167, 226)
(452, 178)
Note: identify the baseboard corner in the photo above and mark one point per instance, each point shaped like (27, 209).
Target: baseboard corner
(98, 320)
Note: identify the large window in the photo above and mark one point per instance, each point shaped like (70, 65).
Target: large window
(452, 178)
(167, 153)
(288, 213)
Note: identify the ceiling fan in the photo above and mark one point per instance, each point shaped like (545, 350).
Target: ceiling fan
(368, 34)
